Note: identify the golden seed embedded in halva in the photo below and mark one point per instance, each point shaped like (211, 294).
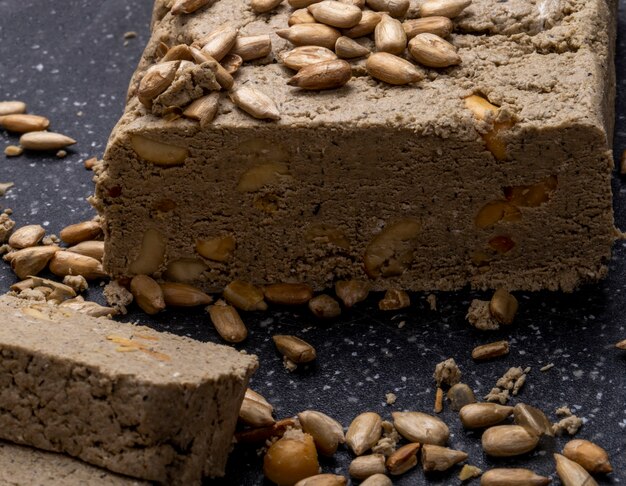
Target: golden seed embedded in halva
(244, 296)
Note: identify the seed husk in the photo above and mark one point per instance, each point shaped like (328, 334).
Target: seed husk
(490, 350)
(377, 480)
(288, 293)
(301, 16)
(394, 299)
(79, 232)
(433, 51)
(326, 431)
(26, 236)
(324, 307)
(363, 467)
(220, 42)
(352, 292)
(203, 109)
(231, 62)
(45, 141)
(366, 26)
(503, 306)
(147, 294)
(67, 263)
(303, 56)
(395, 8)
(437, 458)
(389, 35)
(90, 248)
(508, 441)
(336, 14)
(244, 296)
(227, 322)
(263, 6)
(441, 26)
(421, 427)
(512, 477)
(364, 432)
(255, 410)
(323, 480)
(324, 75)
(12, 108)
(392, 69)
(571, 473)
(184, 295)
(533, 419)
(589, 455)
(259, 435)
(294, 348)
(444, 8)
(255, 103)
(21, 123)
(252, 47)
(187, 6)
(156, 80)
(460, 395)
(31, 261)
(482, 415)
(310, 35)
(403, 459)
(346, 48)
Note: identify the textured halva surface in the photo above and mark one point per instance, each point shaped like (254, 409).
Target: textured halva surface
(123, 397)
(357, 160)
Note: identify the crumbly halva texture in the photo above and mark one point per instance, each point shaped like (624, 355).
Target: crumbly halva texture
(21, 466)
(126, 398)
(390, 183)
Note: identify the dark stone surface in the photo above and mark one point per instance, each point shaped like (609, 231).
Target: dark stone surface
(68, 60)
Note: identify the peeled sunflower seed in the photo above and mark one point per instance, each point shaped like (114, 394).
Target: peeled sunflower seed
(184, 295)
(363, 467)
(92, 309)
(301, 16)
(58, 291)
(508, 441)
(346, 48)
(180, 52)
(223, 77)
(219, 43)
(252, 47)
(482, 415)
(26, 236)
(533, 419)
(392, 69)
(244, 296)
(336, 14)
(45, 141)
(326, 431)
(303, 56)
(187, 6)
(377, 480)
(364, 432)
(310, 35)
(324, 307)
(441, 26)
(231, 62)
(444, 8)
(255, 103)
(512, 477)
(460, 395)
(433, 51)
(21, 123)
(324, 75)
(31, 261)
(323, 480)
(90, 248)
(79, 232)
(421, 427)
(352, 292)
(288, 293)
(227, 322)
(67, 263)
(395, 299)
(301, 3)
(389, 35)
(437, 458)
(294, 348)
(589, 455)
(366, 26)
(203, 109)
(259, 435)
(403, 459)
(12, 107)
(490, 350)
(157, 79)
(263, 6)
(255, 410)
(147, 294)
(395, 8)
(503, 306)
(571, 473)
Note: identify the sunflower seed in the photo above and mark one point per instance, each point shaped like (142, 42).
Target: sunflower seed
(227, 322)
(26, 236)
(389, 35)
(513, 477)
(437, 458)
(441, 26)
(589, 455)
(310, 35)
(363, 467)
(433, 51)
(395, 8)
(336, 14)
(326, 431)
(392, 69)
(571, 473)
(482, 415)
(255, 103)
(45, 141)
(324, 75)
(346, 48)
(252, 47)
(508, 441)
(403, 459)
(421, 427)
(301, 57)
(444, 8)
(21, 123)
(364, 432)
(366, 26)
(147, 294)
(294, 348)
